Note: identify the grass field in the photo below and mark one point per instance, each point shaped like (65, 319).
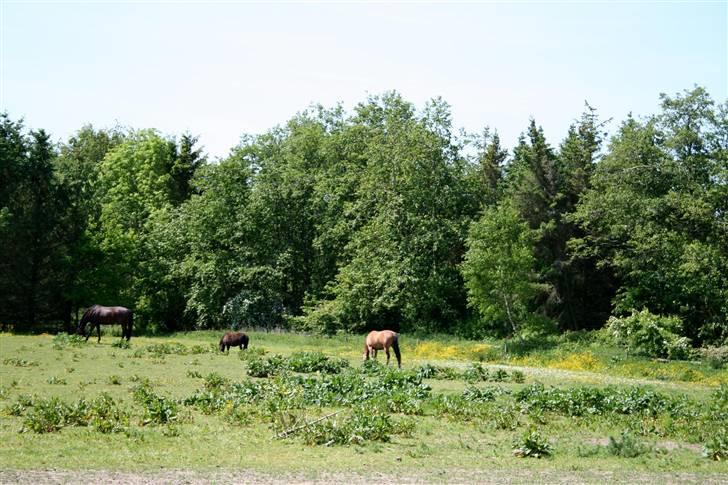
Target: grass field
(458, 410)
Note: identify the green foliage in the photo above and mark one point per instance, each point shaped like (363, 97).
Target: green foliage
(532, 445)
(429, 371)
(121, 344)
(585, 401)
(717, 446)
(364, 424)
(655, 214)
(481, 394)
(315, 362)
(63, 340)
(498, 269)
(652, 335)
(101, 414)
(14, 361)
(269, 366)
(157, 409)
(627, 446)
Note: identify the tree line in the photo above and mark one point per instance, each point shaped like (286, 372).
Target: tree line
(383, 217)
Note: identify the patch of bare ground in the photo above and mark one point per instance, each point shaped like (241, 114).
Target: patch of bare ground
(35, 477)
(660, 445)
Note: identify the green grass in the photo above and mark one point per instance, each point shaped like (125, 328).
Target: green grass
(44, 367)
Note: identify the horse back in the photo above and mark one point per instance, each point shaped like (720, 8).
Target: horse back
(381, 339)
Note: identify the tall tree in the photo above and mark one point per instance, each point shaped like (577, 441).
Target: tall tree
(499, 270)
(656, 214)
(30, 232)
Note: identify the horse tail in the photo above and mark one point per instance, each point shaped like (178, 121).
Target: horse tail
(245, 341)
(395, 347)
(366, 351)
(222, 345)
(131, 325)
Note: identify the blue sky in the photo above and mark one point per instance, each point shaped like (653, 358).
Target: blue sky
(224, 69)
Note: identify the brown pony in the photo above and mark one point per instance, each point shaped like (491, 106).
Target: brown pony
(233, 339)
(382, 340)
(99, 315)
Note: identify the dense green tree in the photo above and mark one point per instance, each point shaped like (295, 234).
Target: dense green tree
(546, 185)
(487, 172)
(77, 170)
(499, 270)
(141, 182)
(400, 265)
(30, 233)
(210, 240)
(656, 214)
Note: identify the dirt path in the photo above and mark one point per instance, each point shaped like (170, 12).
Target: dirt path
(27, 477)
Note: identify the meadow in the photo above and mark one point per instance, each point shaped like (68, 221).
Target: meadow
(308, 406)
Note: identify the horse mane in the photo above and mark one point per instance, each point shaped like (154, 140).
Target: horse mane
(88, 313)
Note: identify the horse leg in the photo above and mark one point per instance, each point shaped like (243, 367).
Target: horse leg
(386, 349)
(83, 331)
(375, 353)
(98, 330)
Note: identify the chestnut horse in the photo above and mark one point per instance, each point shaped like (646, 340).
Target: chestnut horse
(382, 340)
(99, 315)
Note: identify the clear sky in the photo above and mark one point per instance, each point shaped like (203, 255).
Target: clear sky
(223, 69)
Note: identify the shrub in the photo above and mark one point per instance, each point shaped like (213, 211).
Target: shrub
(532, 444)
(215, 382)
(63, 339)
(157, 409)
(717, 447)
(266, 367)
(46, 416)
(652, 335)
(518, 377)
(121, 344)
(19, 407)
(476, 372)
(315, 362)
(505, 417)
(476, 394)
(626, 446)
(365, 423)
(104, 415)
(114, 380)
(166, 348)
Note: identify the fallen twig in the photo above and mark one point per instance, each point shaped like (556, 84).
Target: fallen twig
(288, 432)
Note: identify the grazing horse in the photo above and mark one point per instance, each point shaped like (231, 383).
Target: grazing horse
(233, 339)
(99, 315)
(382, 340)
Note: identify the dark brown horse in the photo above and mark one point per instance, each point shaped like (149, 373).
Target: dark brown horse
(99, 315)
(233, 339)
(382, 340)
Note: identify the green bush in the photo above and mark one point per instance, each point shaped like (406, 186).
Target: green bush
(46, 416)
(717, 446)
(157, 409)
(121, 344)
(627, 446)
(365, 423)
(652, 335)
(315, 362)
(532, 445)
(63, 340)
